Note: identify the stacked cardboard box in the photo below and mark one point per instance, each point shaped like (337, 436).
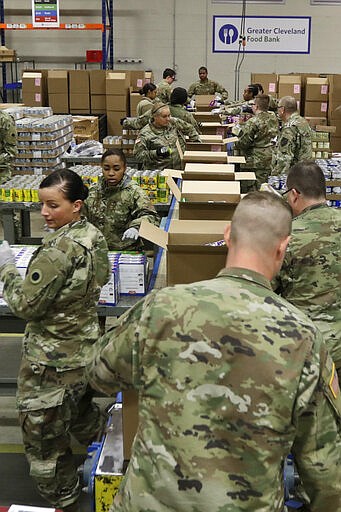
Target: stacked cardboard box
(268, 81)
(134, 100)
(117, 88)
(334, 110)
(85, 128)
(7, 55)
(290, 85)
(34, 88)
(79, 92)
(58, 88)
(316, 97)
(97, 91)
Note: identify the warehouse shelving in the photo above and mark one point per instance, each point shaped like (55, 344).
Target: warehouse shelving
(106, 28)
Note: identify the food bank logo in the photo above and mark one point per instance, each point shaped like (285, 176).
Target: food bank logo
(228, 34)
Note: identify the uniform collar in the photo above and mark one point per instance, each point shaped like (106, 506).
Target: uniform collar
(313, 207)
(247, 275)
(63, 230)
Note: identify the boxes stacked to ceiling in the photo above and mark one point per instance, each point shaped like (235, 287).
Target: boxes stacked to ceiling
(117, 99)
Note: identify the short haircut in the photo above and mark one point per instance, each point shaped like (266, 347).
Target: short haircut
(147, 88)
(116, 152)
(260, 88)
(178, 96)
(156, 110)
(289, 103)
(308, 179)
(168, 72)
(203, 68)
(262, 101)
(69, 183)
(260, 221)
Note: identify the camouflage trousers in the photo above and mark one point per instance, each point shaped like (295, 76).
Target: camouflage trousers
(52, 407)
(262, 175)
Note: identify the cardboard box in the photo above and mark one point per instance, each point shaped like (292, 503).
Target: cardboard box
(98, 103)
(34, 88)
(135, 99)
(290, 85)
(79, 82)
(316, 108)
(334, 110)
(97, 81)
(117, 102)
(210, 172)
(116, 83)
(314, 121)
(203, 101)
(205, 117)
(129, 420)
(335, 144)
(208, 200)
(80, 102)
(336, 125)
(317, 89)
(59, 103)
(215, 128)
(84, 125)
(139, 78)
(58, 81)
(113, 122)
(188, 259)
(267, 80)
(334, 87)
(205, 156)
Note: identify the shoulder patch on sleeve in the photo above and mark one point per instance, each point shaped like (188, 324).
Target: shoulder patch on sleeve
(334, 382)
(331, 385)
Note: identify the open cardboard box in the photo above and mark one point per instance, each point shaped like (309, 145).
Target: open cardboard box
(209, 172)
(188, 259)
(219, 157)
(207, 200)
(204, 101)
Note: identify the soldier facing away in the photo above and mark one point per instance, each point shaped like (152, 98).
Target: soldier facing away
(230, 378)
(294, 142)
(310, 277)
(256, 138)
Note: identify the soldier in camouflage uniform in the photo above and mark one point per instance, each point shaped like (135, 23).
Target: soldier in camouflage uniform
(230, 378)
(311, 273)
(163, 89)
(255, 139)
(8, 145)
(58, 298)
(235, 108)
(206, 86)
(148, 92)
(294, 143)
(157, 144)
(116, 205)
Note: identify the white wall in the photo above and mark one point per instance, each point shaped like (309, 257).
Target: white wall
(167, 33)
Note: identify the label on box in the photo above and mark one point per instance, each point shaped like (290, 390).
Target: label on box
(35, 136)
(324, 107)
(139, 82)
(272, 87)
(324, 89)
(37, 97)
(297, 88)
(37, 82)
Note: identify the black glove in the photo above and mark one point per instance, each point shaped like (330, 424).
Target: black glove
(122, 121)
(163, 152)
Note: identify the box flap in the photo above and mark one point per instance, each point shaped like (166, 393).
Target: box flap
(201, 156)
(175, 173)
(115, 76)
(174, 188)
(194, 166)
(211, 191)
(317, 81)
(236, 160)
(240, 176)
(154, 234)
(211, 139)
(228, 140)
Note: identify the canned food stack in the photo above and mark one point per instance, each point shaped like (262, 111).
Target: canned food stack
(321, 144)
(21, 189)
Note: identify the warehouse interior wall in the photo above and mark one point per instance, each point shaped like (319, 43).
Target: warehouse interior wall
(174, 33)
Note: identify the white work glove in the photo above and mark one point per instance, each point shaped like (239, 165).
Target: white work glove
(6, 254)
(130, 233)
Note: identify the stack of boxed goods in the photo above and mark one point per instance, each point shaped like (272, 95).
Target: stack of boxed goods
(41, 142)
(85, 128)
(290, 85)
(34, 88)
(117, 99)
(126, 141)
(334, 110)
(268, 81)
(321, 141)
(7, 55)
(332, 171)
(79, 92)
(97, 91)
(316, 99)
(58, 90)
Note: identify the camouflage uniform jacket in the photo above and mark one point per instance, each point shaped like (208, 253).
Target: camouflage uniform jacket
(207, 87)
(255, 140)
(163, 91)
(230, 378)
(234, 108)
(144, 106)
(294, 145)
(310, 277)
(59, 295)
(151, 138)
(8, 145)
(115, 209)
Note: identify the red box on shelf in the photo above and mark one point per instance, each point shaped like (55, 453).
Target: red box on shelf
(94, 55)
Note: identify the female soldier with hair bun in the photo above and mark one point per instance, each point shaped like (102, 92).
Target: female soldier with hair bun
(58, 298)
(149, 93)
